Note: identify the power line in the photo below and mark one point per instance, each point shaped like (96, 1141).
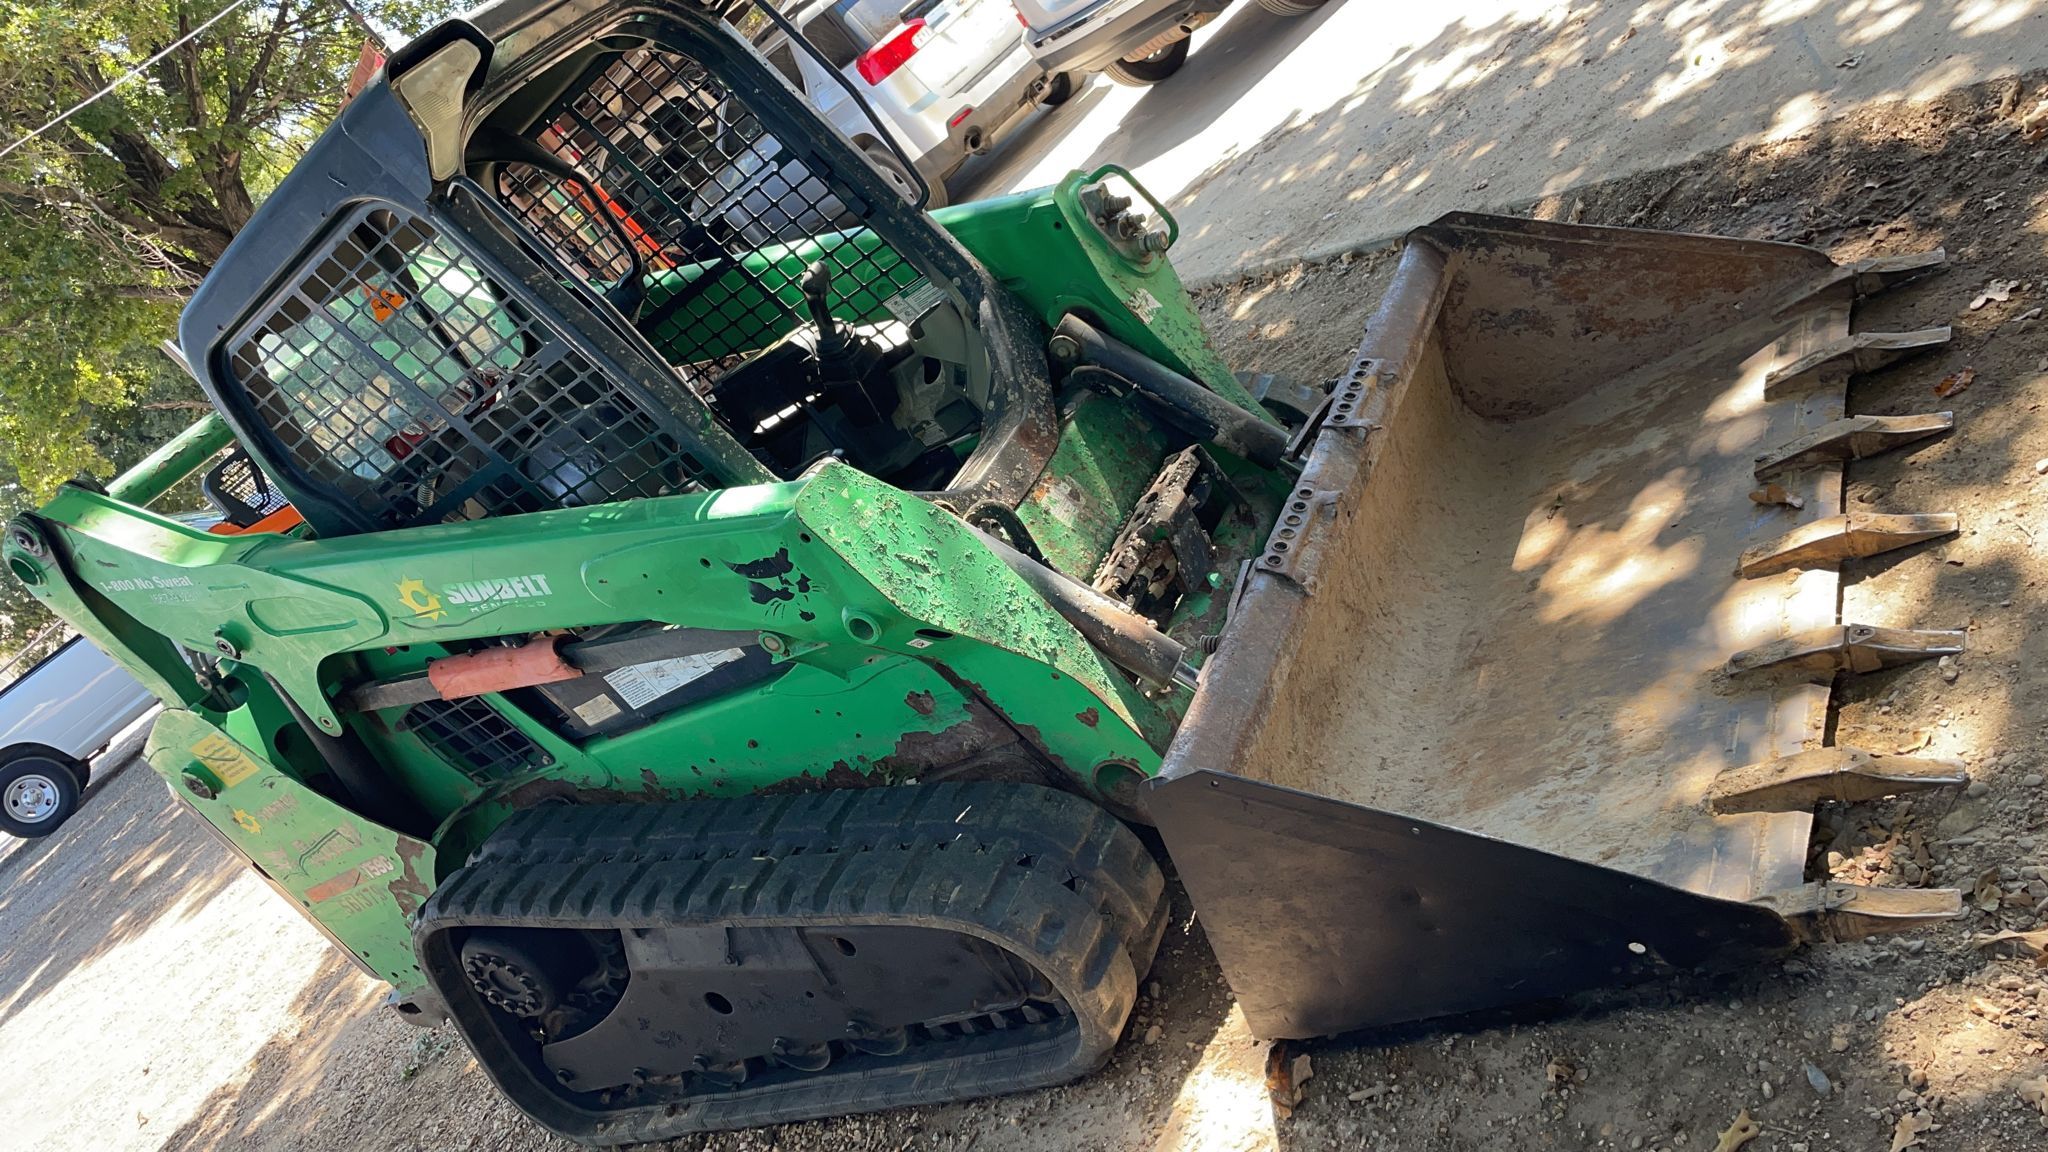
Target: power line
(125, 77)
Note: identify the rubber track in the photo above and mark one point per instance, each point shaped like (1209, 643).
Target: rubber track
(1047, 875)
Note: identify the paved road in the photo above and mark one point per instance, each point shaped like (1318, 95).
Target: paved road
(1286, 137)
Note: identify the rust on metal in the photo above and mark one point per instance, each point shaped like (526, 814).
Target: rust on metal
(1835, 361)
(1830, 911)
(1832, 539)
(1846, 648)
(1840, 774)
(1852, 438)
(1301, 516)
(1288, 1070)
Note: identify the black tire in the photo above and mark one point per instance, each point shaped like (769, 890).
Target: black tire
(1290, 7)
(891, 168)
(1151, 69)
(38, 793)
(1059, 90)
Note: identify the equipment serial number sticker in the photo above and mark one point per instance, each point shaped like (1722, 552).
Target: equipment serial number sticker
(913, 302)
(596, 710)
(642, 684)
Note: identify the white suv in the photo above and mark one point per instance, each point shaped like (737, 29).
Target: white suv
(52, 720)
(946, 77)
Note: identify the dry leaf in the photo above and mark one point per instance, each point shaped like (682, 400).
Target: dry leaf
(1741, 1132)
(1777, 494)
(1996, 292)
(1955, 382)
(2035, 1092)
(1987, 895)
(1907, 1132)
(2035, 943)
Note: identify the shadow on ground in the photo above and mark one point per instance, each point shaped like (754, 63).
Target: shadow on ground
(128, 858)
(1287, 136)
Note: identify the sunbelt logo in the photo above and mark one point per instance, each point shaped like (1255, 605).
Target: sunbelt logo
(430, 603)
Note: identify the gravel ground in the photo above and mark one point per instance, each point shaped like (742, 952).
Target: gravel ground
(167, 1000)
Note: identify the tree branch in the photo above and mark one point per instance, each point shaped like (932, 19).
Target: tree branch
(258, 72)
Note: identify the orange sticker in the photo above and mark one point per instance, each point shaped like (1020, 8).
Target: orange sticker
(334, 886)
(384, 303)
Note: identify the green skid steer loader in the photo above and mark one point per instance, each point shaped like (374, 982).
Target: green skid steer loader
(736, 643)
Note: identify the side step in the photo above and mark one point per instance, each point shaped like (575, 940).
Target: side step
(768, 959)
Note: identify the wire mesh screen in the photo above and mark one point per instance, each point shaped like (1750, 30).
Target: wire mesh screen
(569, 217)
(471, 736)
(397, 374)
(726, 216)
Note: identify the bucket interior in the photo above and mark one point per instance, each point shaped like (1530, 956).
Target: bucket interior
(1520, 618)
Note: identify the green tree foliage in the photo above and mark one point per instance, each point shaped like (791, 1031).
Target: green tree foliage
(108, 221)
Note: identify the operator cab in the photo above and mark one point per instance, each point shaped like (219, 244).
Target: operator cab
(649, 181)
(529, 271)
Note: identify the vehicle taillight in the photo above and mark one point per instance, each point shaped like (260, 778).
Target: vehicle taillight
(893, 52)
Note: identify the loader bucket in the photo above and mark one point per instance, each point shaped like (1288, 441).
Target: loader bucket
(1527, 694)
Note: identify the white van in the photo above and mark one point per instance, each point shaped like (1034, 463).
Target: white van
(53, 719)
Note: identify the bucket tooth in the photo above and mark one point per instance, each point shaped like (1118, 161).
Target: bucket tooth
(1797, 782)
(1852, 438)
(1869, 277)
(1847, 648)
(1830, 540)
(1829, 911)
(1859, 352)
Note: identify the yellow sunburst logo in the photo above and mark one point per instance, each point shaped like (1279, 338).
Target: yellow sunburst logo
(248, 822)
(414, 594)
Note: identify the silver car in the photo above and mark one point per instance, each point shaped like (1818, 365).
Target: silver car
(1135, 42)
(947, 78)
(53, 719)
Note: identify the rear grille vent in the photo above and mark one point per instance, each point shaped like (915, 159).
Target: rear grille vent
(472, 736)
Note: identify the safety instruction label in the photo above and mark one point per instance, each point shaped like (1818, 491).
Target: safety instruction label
(642, 684)
(913, 301)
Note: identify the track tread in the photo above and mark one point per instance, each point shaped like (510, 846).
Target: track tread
(1088, 911)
